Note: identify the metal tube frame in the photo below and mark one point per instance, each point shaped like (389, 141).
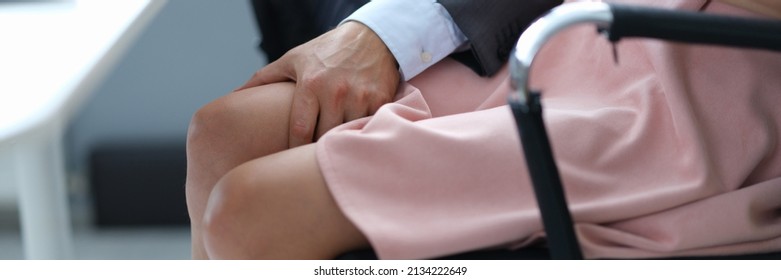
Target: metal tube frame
(527, 109)
(539, 32)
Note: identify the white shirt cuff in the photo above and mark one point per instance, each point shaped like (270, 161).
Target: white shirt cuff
(419, 33)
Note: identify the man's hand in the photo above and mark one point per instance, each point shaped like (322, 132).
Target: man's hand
(345, 74)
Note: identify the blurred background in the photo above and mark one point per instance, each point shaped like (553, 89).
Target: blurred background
(125, 149)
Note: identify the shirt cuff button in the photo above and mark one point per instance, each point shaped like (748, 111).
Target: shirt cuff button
(425, 57)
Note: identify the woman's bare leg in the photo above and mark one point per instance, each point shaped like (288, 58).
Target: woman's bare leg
(277, 207)
(239, 128)
(227, 132)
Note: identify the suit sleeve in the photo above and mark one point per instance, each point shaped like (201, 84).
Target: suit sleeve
(493, 27)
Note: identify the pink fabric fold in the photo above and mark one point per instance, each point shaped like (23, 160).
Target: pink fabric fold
(673, 151)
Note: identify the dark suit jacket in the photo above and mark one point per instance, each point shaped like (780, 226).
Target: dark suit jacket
(493, 27)
(284, 24)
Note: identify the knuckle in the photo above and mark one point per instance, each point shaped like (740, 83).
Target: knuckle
(340, 90)
(314, 79)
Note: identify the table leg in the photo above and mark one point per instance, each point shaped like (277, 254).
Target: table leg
(43, 200)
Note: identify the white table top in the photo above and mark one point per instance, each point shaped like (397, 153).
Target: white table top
(53, 54)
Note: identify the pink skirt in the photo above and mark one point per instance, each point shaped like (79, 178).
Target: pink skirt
(674, 150)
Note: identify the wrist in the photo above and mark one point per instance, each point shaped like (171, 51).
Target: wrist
(369, 39)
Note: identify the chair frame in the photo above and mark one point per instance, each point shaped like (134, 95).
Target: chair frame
(615, 21)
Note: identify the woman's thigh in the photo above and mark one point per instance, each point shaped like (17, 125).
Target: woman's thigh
(227, 132)
(231, 130)
(278, 207)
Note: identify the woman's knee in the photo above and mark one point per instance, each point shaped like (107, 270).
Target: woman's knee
(224, 220)
(243, 118)
(246, 216)
(206, 127)
(236, 128)
(239, 118)
(277, 207)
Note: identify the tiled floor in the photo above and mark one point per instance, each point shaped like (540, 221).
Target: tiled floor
(113, 244)
(91, 243)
